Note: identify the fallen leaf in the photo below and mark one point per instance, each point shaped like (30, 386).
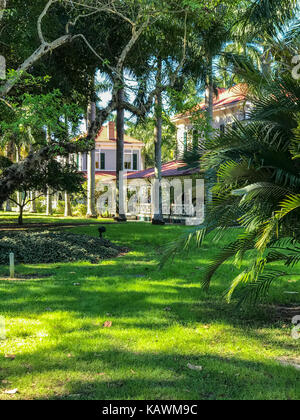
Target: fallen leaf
(107, 324)
(69, 355)
(194, 367)
(11, 391)
(10, 356)
(27, 366)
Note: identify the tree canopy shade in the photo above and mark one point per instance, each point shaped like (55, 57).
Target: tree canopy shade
(49, 27)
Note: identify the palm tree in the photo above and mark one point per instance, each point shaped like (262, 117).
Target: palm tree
(258, 187)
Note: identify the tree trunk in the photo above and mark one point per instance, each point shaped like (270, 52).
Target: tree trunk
(49, 209)
(19, 195)
(210, 92)
(7, 206)
(20, 218)
(32, 203)
(68, 206)
(158, 214)
(48, 196)
(120, 211)
(91, 181)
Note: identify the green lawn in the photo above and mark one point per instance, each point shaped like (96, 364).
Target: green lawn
(161, 322)
(12, 218)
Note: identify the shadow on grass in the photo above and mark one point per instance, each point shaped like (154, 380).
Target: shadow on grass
(166, 376)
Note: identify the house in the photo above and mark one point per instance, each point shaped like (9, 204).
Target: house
(228, 105)
(106, 146)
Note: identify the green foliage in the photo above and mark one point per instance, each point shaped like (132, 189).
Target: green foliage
(258, 188)
(145, 132)
(50, 247)
(79, 210)
(40, 205)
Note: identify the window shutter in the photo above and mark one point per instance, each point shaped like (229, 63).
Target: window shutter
(135, 162)
(102, 161)
(185, 141)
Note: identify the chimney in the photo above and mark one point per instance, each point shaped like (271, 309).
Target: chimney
(111, 130)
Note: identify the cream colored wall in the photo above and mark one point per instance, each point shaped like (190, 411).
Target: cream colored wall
(225, 116)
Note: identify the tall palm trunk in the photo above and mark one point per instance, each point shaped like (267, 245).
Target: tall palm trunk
(120, 211)
(7, 206)
(32, 203)
(158, 213)
(210, 91)
(18, 158)
(8, 150)
(68, 206)
(91, 164)
(49, 210)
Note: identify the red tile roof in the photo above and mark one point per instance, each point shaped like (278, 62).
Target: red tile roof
(225, 97)
(170, 169)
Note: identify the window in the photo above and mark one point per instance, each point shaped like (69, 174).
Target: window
(135, 161)
(102, 161)
(127, 161)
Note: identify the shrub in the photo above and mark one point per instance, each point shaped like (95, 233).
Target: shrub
(79, 210)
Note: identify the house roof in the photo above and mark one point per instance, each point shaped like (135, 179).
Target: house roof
(170, 169)
(225, 97)
(107, 136)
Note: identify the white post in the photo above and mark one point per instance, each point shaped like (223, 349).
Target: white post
(12, 265)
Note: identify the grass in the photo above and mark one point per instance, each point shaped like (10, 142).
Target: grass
(161, 321)
(29, 218)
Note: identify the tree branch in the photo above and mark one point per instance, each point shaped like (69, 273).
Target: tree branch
(30, 61)
(40, 19)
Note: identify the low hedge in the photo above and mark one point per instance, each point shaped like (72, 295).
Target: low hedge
(51, 247)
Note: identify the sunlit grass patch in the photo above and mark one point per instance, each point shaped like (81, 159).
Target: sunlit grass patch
(161, 321)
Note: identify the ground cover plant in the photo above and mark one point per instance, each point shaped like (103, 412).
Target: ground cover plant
(50, 247)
